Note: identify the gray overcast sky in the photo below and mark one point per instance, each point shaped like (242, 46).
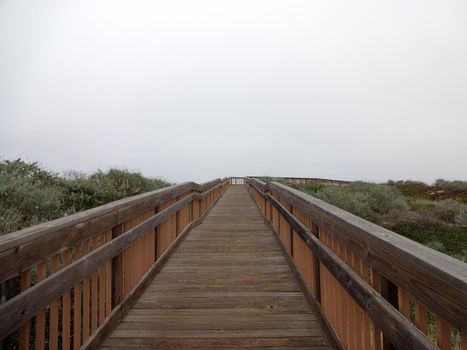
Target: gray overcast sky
(192, 90)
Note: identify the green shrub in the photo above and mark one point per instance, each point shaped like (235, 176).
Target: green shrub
(409, 188)
(10, 219)
(452, 240)
(267, 179)
(382, 198)
(82, 192)
(461, 216)
(460, 186)
(366, 200)
(30, 194)
(313, 187)
(354, 202)
(416, 218)
(129, 183)
(448, 210)
(408, 208)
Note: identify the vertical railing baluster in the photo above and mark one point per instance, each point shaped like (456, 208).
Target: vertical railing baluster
(389, 292)
(117, 271)
(25, 330)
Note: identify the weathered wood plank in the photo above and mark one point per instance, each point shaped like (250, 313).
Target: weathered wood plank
(22, 249)
(218, 333)
(40, 316)
(227, 285)
(215, 347)
(22, 307)
(124, 305)
(24, 332)
(167, 343)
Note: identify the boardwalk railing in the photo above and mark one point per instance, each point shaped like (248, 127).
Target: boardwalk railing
(237, 180)
(66, 283)
(375, 288)
(307, 180)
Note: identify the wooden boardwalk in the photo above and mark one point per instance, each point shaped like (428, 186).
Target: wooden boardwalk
(228, 285)
(200, 266)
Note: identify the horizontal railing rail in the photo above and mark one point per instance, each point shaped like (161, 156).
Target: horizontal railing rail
(237, 180)
(374, 287)
(75, 273)
(306, 180)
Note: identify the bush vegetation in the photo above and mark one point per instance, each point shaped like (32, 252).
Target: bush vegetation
(433, 215)
(31, 194)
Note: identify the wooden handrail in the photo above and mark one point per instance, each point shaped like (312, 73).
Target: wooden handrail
(435, 278)
(22, 249)
(398, 329)
(21, 308)
(96, 255)
(306, 180)
(347, 264)
(237, 180)
(436, 281)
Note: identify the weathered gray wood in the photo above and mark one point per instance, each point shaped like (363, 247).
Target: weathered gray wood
(394, 326)
(22, 249)
(22, 307)
(29, 234)
(117, 270)
(212, 290)
(311, 343)
(122, 309)
(433, 278)
(306, 180)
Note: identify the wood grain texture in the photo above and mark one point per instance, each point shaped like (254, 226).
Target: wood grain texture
(66, 309)
(40, 316)
(121, 310)
(77, 303)
(398, 329)
(410, 265)
(22, 307)
(41, 241)
(54, 311)
(24, 331)
(228, 285)
(116, 314)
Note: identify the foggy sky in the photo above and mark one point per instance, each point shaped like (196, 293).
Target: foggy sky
(193, 90)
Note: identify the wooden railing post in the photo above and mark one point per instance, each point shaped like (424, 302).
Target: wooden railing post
(317, 272)
(291, 236)
(389, 292)
(177, 219)
(156, 233)
(117, 271)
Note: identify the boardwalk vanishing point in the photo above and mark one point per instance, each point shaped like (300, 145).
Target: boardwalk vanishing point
(228, 284)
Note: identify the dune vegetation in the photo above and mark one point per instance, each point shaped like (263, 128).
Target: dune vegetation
(434, 215)
(31, 194)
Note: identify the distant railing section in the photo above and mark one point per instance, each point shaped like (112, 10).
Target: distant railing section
(375, 288)
(67, 282)
(237, 180)
(307, 180)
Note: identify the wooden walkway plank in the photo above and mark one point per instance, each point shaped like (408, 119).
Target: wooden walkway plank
(227, 286)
